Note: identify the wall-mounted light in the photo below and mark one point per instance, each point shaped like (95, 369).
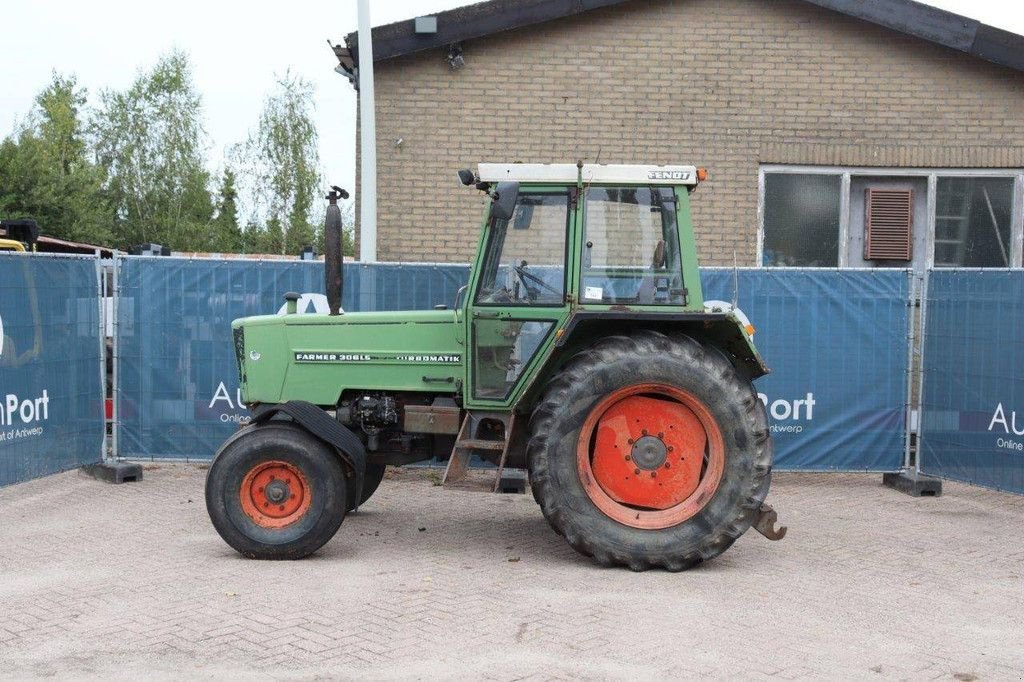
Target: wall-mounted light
(425, 25)
(455, 58)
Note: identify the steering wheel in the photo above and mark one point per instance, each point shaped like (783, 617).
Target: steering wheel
(526, 277)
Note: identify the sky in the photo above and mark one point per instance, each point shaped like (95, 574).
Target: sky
(236, 50)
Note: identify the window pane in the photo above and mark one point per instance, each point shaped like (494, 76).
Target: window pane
(502, 349)
(631, 247)
(525, 259)
(801, 220)
(972, 222)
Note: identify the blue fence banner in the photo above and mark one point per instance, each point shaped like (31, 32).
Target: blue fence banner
(837, 344)
(835, 339)
(972, 405)
(177, 383)
(51, 365)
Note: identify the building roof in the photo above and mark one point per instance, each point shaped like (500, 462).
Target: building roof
(485, 18)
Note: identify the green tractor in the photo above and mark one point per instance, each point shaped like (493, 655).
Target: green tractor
(581, 350)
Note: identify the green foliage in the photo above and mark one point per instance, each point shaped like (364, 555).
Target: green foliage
(225, 232)
(151, 141)
(134, 169)
(281, 166)
(46, 172)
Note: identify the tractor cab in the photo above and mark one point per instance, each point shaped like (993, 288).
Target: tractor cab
(567, 246)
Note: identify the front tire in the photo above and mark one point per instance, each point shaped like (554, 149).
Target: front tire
(650, 450)
(276, 492)
(371, 481)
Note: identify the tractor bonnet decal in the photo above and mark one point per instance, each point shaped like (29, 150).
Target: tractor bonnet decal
(442, 359)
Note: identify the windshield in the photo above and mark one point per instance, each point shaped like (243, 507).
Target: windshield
(524, 263)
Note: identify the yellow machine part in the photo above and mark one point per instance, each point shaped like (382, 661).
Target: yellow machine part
(11, 245)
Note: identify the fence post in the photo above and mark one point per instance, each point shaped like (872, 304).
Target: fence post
(910, 480)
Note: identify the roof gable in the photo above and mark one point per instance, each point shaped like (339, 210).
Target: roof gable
(485, 18)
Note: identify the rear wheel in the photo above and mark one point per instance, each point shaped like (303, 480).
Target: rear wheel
(276, 492)
(650, 450)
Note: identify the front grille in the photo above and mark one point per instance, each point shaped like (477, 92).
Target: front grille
(239, 334)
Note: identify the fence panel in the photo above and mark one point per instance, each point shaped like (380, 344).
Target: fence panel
(51, 365)
(972, 425)
(177, 384)
(837, 344)
(836, 340)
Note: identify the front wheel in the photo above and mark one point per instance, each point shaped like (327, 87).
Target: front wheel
(650, 450)
(276, 492)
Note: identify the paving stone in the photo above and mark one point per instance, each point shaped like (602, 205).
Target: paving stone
(124, 582)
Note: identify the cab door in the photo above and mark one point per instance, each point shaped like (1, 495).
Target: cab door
(519, 294)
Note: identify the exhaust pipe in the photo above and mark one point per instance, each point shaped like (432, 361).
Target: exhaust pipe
(334, 274)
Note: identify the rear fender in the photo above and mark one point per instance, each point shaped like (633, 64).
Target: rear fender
(325, 428)
(721, 329)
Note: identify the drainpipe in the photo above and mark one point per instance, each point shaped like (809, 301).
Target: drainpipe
(368, 141)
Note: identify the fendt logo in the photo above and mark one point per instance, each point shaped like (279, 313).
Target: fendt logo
(681, 176)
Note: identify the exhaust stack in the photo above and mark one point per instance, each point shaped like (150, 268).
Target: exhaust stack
(334, 276)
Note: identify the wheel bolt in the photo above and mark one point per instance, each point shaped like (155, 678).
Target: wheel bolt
(287, 481)
(636, 472)
(661, 434)
(281, 507)
(261, 489)
(644, 432)
(668, 465)
(670, 448)
(630, 441)
(654, 474)
(266, 504)
(628, 458)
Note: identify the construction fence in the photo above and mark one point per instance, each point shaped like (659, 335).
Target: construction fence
(52, 383)
(839, 342)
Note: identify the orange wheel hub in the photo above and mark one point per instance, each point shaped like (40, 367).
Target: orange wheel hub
(650, 456)
(275, 494)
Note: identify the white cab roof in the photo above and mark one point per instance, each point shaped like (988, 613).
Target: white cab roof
(567, 173)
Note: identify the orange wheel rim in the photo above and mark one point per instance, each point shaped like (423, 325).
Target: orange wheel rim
(274, 494)
(650, 456)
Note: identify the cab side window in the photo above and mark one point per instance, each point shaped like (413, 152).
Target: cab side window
(631, 247)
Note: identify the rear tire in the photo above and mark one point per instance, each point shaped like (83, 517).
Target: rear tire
(601, 492)
(276, 492)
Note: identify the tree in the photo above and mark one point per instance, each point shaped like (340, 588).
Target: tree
(46, 170)
(225, 233)
(281, 168)
(151, 140)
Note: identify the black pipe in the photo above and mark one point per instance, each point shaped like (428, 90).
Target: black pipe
(334, 275)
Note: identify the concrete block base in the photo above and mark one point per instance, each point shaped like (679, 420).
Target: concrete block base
(512, 481)
(913, 484)
(114, 472)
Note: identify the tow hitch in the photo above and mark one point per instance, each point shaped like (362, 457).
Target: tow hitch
(765, 524)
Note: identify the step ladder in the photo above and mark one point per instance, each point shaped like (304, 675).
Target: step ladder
(469, 442)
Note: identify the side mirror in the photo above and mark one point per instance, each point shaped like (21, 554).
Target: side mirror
(466, 177)
(505, 201)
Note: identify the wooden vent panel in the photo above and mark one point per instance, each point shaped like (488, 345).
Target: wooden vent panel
(888, 224)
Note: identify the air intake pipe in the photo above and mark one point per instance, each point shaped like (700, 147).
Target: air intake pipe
(334, 274)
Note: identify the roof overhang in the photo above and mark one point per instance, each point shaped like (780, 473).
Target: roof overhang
(486, 18)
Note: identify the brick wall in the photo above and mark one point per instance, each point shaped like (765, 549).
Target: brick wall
(727, 84)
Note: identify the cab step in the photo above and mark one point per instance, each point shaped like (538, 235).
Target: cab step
(458, 476)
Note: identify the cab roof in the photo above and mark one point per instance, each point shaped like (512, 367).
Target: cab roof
(568, 173)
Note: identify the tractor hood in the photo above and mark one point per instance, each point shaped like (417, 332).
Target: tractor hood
(315, 357)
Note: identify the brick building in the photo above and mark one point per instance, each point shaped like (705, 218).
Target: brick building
(822, 122)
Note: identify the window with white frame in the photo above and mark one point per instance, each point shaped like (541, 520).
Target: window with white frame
(830, 217)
